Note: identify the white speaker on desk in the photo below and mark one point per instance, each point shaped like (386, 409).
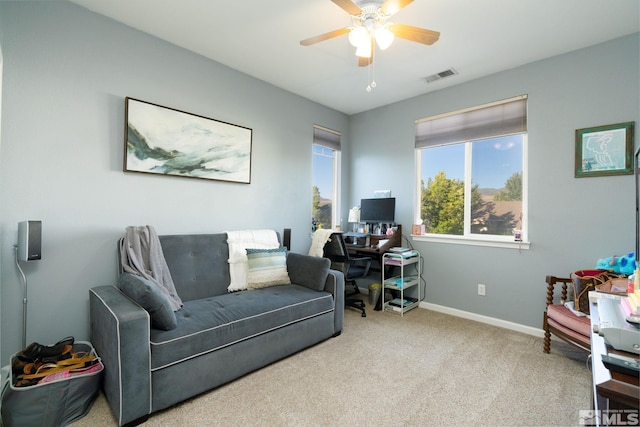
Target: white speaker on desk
(29, 240)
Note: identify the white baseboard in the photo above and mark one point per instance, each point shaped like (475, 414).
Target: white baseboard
(483, 319)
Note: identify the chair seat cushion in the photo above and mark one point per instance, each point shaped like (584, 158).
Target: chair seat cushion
(573, 335)
(208, 324)
(560, 315)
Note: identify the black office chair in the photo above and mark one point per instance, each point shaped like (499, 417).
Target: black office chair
(352, 268)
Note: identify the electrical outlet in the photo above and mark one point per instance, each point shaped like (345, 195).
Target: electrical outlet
(481, 290)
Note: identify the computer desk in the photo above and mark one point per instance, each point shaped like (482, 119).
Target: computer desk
(368, 244)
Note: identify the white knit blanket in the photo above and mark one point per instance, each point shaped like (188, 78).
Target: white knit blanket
(318, 239)
(239, 242)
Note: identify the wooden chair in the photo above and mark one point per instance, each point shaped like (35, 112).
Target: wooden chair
(562, 322)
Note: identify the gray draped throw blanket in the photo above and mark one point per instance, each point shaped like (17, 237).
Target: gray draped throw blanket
(141, 254)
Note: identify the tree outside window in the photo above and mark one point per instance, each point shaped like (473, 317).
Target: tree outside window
(495, 185)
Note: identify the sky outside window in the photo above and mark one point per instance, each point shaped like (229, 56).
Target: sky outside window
(323, 170)
(494, 161)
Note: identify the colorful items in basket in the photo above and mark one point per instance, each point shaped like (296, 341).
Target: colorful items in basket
(38, 363)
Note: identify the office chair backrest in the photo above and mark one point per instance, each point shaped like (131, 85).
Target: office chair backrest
(336, 250)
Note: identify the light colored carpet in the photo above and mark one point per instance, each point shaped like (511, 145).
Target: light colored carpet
(426, 368)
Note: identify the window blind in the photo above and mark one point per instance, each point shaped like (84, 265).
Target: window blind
(490, 120)
(326, 137)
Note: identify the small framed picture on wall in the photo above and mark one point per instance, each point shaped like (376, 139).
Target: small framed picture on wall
(604, 150)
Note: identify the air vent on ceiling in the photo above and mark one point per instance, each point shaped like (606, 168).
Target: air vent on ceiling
(441, 75)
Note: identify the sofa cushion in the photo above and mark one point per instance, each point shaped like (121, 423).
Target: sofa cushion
(267, 267)
(308, 271)
(211, 323)
(199, 264)
(147, 295)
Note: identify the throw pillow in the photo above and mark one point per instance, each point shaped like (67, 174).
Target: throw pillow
(147, 294)
(238, 242)
(267, 267)
(308, 271)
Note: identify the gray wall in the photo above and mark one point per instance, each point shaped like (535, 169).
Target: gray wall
(572, 222)
(67, 71)
(66, 74)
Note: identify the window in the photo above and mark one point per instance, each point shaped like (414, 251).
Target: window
(326, 178)
(471, 171)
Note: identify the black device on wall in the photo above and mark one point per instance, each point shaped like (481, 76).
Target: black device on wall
(378, 210)
(29, 240)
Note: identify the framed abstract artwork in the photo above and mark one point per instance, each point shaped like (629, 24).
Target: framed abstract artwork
(165, 141)
(604, 150)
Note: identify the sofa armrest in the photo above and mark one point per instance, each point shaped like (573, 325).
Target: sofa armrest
(120, 333)
(308, 271)
(335, 286)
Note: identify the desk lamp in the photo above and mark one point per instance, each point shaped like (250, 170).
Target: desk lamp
(354, 217)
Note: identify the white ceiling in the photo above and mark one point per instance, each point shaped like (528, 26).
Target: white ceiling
(478, 37)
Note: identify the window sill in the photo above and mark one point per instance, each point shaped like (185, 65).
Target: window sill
(471, 241)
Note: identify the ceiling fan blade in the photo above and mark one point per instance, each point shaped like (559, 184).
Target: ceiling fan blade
(365, 62)
(348, 6)
(325, 36)
(391, 7)
(414, 34)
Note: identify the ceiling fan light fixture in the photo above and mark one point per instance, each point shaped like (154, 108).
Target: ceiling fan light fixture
(370, 26)
(364, 50)
(359, 36)
(384, 37)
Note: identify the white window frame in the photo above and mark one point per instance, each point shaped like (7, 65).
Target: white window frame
(468, 238)
(337, 172)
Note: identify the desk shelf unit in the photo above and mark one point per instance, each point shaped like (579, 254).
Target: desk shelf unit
(374, 242)
(402, 282)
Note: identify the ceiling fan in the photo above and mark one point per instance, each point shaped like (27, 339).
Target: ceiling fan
(370, 27)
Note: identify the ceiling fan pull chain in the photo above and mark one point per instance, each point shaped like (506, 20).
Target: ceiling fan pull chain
(368, 79)
(372, 77)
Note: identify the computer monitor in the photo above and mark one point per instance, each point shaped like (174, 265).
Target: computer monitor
(378, 210)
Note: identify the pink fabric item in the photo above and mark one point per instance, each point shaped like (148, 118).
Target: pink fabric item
(586, 341)
(563, 319)
(627, 307)
(96, 367)
(55, 377)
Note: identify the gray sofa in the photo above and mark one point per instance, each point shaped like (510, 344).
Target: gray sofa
(218, 336)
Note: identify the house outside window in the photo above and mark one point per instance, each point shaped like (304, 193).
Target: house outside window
(326, 178)
(472, 175)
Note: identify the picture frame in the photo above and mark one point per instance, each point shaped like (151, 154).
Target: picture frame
(165, 141)
(604, 150)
